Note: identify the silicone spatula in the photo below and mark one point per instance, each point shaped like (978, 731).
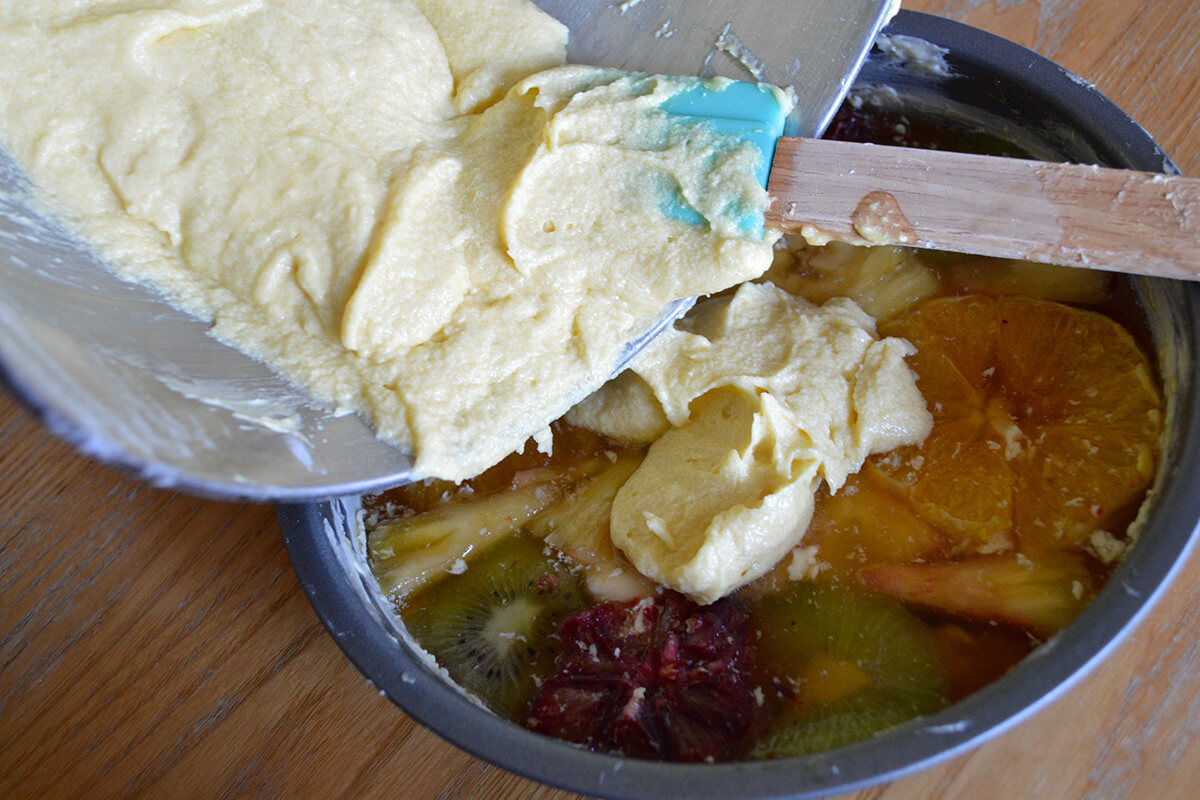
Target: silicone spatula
(1074, 215)
(1084, 216)
(813, 48)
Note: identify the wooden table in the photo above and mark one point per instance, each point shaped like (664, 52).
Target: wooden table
(155, 645)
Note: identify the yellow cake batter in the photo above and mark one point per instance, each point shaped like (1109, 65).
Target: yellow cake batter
(413, 209)
(750, 403)
(405, 206)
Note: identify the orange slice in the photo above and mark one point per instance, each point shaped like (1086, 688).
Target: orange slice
(1046, 422)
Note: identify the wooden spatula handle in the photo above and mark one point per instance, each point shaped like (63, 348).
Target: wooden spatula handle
(1083, 216)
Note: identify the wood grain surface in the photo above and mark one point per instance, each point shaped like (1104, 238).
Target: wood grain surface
(154, 645)
(1081, 215)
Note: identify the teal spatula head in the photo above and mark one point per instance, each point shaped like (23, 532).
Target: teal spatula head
(739, 113)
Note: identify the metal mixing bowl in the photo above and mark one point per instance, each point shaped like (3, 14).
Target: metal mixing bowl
(1049, 113)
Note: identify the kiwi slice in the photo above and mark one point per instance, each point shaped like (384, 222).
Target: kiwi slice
(849, 664)
(493, 628)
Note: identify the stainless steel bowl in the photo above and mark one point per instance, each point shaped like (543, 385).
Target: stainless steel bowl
(1048, 112)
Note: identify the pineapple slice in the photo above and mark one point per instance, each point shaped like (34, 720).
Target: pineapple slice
(981, 275)
(1040, 596)
(578, 526)
(414, 551)
(885, 281)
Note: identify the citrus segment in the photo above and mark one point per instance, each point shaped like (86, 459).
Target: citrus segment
(1092, 413)
(1046, 421)
(958, 481)
(956, 346)
(864, 524)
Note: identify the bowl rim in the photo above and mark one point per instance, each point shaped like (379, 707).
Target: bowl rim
(308, 531)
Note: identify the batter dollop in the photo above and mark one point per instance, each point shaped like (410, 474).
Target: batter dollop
(749, 404)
